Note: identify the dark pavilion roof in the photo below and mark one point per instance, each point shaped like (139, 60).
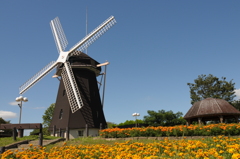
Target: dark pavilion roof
(211, 107)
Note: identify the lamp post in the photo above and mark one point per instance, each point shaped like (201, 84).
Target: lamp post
(136, 115)
(20, 99)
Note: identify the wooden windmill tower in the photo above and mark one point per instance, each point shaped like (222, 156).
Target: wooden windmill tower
(78, 101)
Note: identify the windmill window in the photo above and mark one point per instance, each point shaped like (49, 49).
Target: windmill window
(61, 114)
(80, 133)
(64, 92)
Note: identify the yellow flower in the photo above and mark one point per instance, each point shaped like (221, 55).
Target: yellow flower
(231, 150)
(236, 156)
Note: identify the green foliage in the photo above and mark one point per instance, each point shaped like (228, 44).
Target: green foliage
(236, 104)
(47, 117)
(2, 121)
(131, 122)
(111, 124)
(211, 87)
(44, 130)
(164, 118)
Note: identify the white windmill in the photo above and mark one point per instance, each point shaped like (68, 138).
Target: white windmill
(73, 93)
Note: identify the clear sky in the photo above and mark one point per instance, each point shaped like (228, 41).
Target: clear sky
(154, 50)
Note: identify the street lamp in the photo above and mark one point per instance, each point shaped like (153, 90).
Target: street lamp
(21, 99)
(136, 115)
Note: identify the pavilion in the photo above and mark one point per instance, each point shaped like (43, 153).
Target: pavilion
(211, 109)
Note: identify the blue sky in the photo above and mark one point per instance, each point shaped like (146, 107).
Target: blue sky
(154, 50)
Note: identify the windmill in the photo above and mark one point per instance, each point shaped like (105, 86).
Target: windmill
(77, 89)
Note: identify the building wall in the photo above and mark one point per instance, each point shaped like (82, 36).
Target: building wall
(75, 133)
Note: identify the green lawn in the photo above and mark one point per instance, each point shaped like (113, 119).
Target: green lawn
(9, 140)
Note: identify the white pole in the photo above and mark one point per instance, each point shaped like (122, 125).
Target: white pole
(86, 26)
(20, 105)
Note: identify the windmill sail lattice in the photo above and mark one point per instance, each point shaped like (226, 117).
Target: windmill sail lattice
(93, 36)
(58, 34)
(73, 94)
(37, 77)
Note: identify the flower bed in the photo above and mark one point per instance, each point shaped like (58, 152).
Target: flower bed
(216, 147)
(180, 130)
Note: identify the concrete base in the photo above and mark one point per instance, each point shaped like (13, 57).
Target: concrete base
(75, 133)
(20, 132)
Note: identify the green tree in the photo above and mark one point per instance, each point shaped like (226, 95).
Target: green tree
(111, 124)
(131, 122)
(236, 104)
(164, 118)
(47, 118)
(2, 121)
(211, 87)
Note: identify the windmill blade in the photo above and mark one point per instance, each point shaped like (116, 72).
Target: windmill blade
(37, 77)
(93, 36)
(58, 34)
(71, 87)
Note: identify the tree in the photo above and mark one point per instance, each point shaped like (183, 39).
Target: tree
(164, 118)
(131, 122)
(236, 104)
(111, 124)
(2, 121)
(211, 87)
(47, 117)
(7, 131)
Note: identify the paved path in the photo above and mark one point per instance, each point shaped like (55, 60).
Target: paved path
(35, 143)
